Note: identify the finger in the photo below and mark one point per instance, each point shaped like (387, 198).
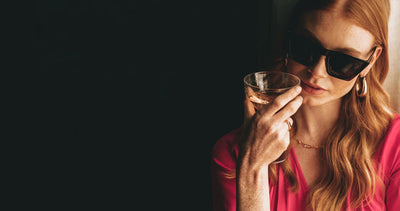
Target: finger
(286, 139)
(249, 109)
(289, 110)
(279, 102)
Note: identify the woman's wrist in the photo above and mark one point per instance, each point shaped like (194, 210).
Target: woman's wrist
(253, 176)
(252, 168)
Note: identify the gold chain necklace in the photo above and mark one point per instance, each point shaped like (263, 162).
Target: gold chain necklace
(308, 146)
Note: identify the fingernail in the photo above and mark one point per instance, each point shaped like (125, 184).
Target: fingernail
(298, 89)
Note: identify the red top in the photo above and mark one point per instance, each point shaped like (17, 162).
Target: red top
(224, 190)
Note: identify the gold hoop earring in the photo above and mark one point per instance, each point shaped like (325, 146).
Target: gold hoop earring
(362, 91)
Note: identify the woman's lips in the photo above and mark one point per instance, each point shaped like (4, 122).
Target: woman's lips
(312, 89)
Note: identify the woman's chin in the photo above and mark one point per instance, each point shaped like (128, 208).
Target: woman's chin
(311, 102)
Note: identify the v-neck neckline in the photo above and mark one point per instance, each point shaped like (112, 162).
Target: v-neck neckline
(296, 165)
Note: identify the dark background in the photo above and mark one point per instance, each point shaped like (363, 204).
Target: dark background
(127, 98)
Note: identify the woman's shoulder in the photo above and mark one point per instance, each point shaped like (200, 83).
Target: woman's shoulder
(388, 153)
(393, 133)
(225, 149)
(392, 136)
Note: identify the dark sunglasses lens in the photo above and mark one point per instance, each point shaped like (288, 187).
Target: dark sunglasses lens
(303, 51)
(343, 66)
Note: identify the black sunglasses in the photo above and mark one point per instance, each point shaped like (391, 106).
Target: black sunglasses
(307, 52)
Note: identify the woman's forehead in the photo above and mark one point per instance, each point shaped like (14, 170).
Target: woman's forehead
(334, 31)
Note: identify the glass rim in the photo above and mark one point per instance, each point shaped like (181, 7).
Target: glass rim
(273, 71)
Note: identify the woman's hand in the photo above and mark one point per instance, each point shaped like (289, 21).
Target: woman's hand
(265, 137)
(266, 133)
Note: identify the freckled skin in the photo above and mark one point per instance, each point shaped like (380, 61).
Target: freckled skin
(340, 33)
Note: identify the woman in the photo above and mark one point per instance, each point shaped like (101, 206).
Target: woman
(344, 147)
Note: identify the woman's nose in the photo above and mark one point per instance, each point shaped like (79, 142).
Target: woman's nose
(319, 69)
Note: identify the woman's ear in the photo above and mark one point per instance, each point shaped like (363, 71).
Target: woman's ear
(375, 57)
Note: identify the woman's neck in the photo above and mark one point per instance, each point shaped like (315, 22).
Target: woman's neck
(315, 122)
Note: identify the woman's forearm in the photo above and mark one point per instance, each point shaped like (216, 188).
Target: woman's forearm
(252, 189)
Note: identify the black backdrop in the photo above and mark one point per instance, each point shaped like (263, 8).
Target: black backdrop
(131, 96)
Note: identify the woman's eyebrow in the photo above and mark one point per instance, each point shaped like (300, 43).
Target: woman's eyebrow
(346, 50)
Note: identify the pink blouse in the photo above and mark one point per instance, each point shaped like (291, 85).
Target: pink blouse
(224, 190)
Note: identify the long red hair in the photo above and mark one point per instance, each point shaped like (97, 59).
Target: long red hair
(349, 150)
